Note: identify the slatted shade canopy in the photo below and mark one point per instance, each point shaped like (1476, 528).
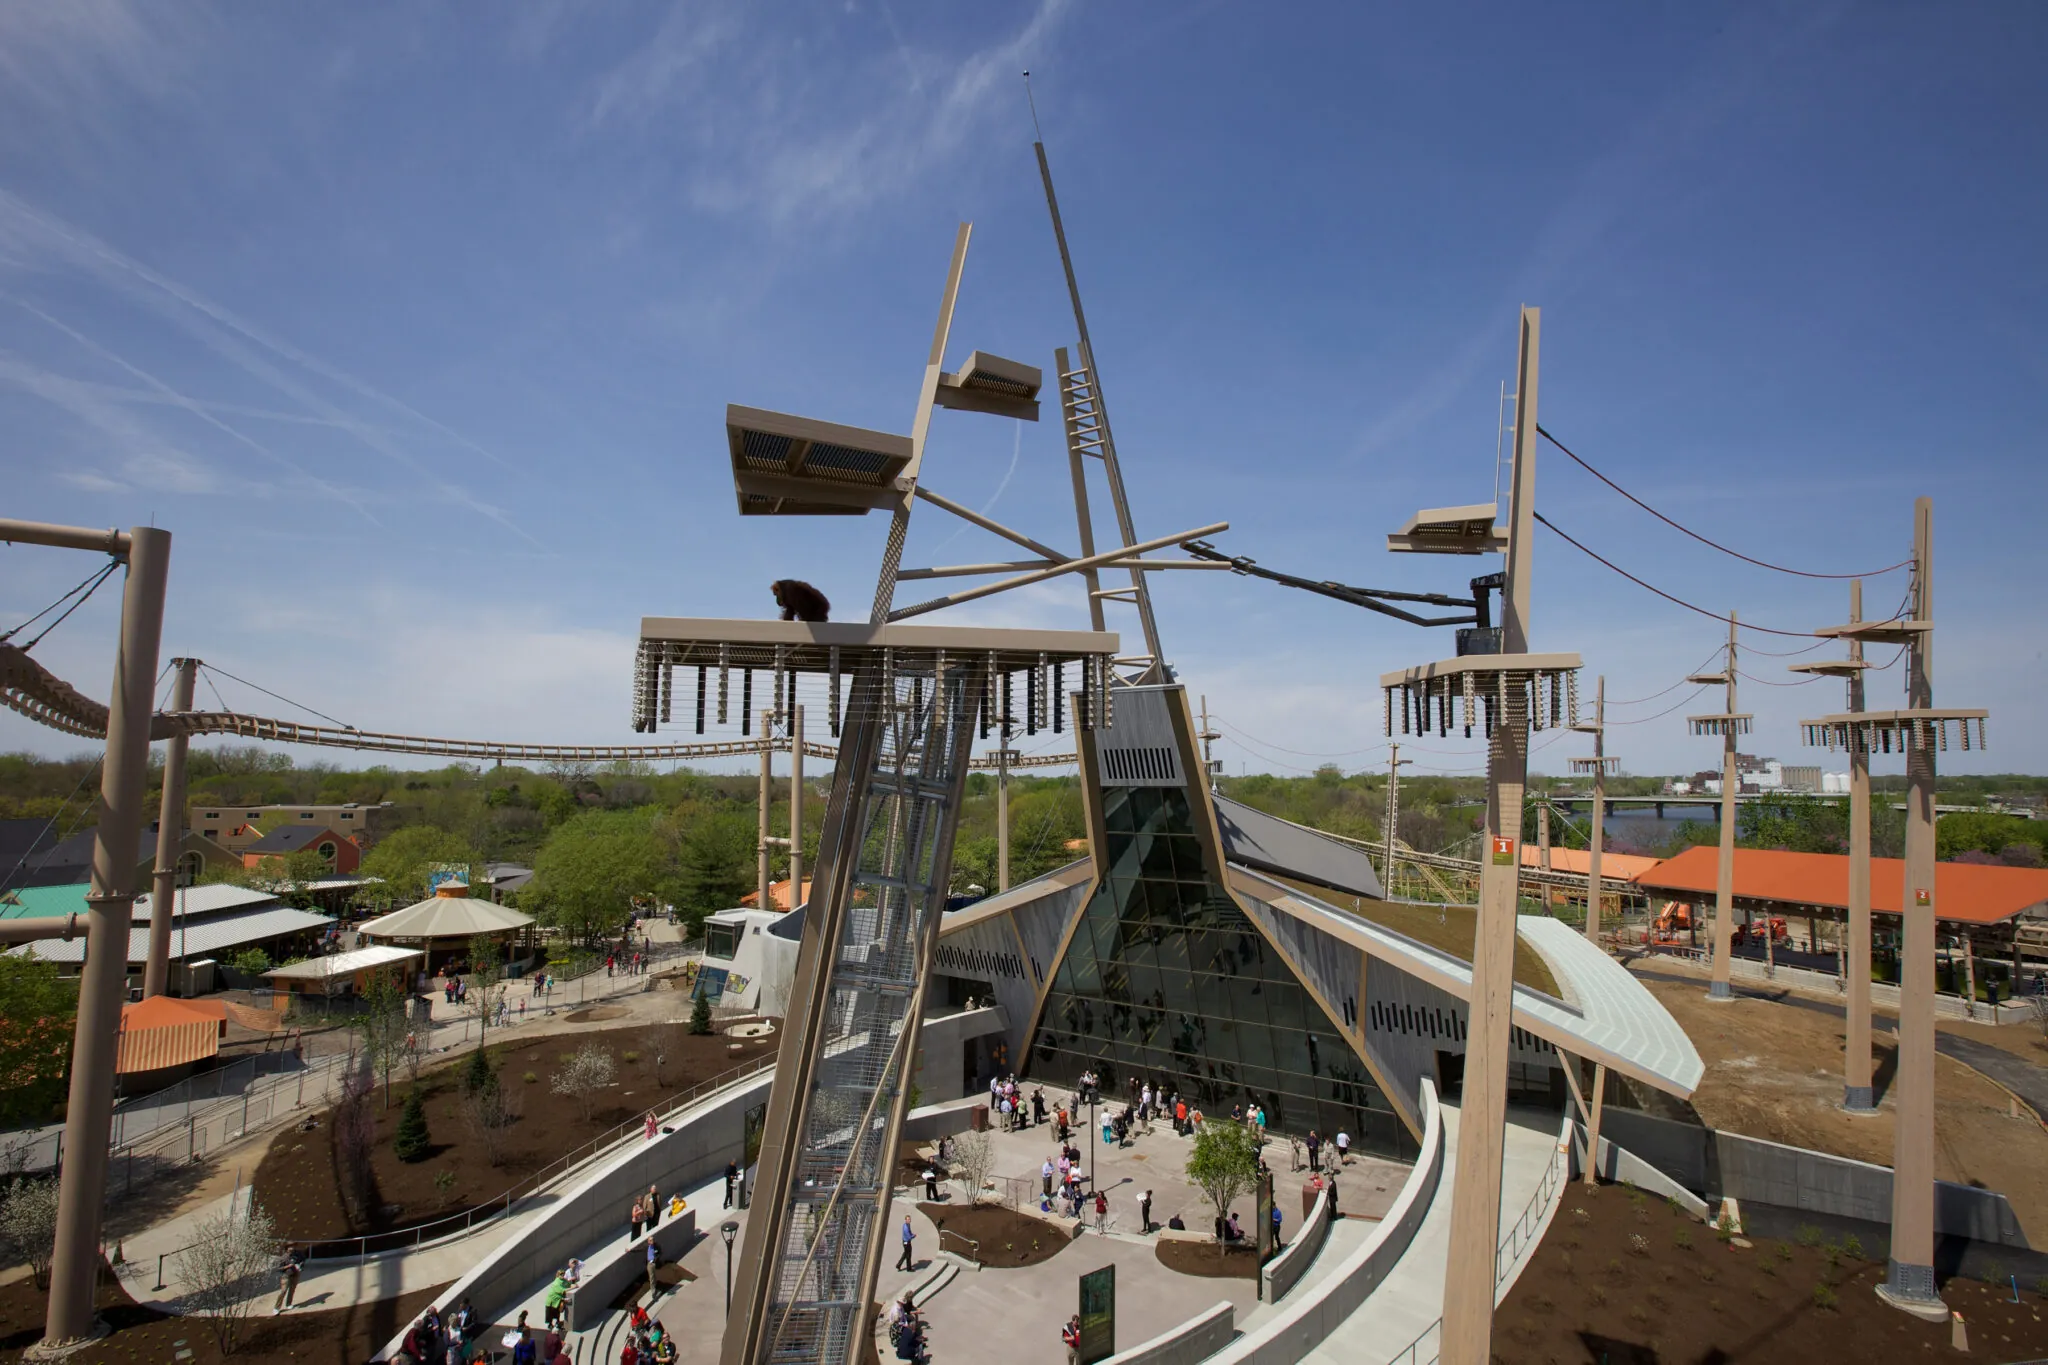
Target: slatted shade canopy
(784, 465)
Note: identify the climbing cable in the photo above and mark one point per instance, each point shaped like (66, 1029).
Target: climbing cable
(1712, 544)
(1677, 601)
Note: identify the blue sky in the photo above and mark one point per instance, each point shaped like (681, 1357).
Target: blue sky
(416, 324)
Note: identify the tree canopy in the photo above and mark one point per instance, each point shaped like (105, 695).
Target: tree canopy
(37, 1008)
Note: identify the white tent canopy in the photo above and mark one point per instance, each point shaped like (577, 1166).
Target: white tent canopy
(445, 916)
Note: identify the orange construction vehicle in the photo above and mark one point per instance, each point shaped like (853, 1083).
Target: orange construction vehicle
(1673, 927)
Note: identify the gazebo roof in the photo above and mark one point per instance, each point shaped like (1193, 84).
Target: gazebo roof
(445, 915)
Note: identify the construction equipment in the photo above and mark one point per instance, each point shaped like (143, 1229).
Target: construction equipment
(1676, 919)
(1756, 929)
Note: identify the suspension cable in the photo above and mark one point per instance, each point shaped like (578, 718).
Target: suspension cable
(1712, 544)
(268, 693)
(1677, 601)
(90, 586)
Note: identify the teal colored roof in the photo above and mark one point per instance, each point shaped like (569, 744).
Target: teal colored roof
(28, 901)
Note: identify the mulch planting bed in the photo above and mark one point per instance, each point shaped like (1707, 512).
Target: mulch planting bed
(1201, 1258)
(1625, 1279)
(1008, 1239)
(297, 1180)
(303, 1336)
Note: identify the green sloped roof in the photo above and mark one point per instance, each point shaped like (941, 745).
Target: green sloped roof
(29, 901)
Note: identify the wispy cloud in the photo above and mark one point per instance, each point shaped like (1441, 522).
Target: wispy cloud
(784, 149)
(33, 241)
(58, 63)
(147, 458)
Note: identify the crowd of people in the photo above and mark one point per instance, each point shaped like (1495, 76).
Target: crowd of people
(456, 1338)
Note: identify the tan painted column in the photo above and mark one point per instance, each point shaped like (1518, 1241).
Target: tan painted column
(1543, 840)
(1969, 976)
(81, 1196)
(1475, 1195)
(796, 802)
(761, 878)
(1724, 878)
(1003, 814)
(1858, 1095)
(1599, 811)
(1909, 1281)
(1593, 1125)
(170, 833)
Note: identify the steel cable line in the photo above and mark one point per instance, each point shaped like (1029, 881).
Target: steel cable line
(1644, 720)
(1711, 544)
(1676, 601)
(91, 585)
(268, 693)
(70, 829)
(1298, 753)
(1716, 653)
(1803, 682)
(82, 583)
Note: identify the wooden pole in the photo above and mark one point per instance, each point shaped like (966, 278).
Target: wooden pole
(1909, 1281)
(1474, 1234)
(762, 901)
(1724, 879)
(796, 803)
(1599, 811)
(1858, 1094)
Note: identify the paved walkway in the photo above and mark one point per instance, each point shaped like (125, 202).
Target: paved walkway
(1411, 1299)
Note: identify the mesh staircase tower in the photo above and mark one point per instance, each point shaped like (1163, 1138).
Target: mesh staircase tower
(822, 1195)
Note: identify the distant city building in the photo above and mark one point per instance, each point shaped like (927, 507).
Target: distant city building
(1802, 779)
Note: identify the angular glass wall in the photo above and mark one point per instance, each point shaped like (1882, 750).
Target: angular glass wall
(1166, 980)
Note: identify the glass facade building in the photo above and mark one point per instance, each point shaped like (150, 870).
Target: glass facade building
(1165, 979)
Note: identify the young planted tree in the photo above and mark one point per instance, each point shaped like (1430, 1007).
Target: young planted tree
(412, 1142)
(385, 1027)
(28, 1225)
(654, 1046)
(355, 1141)
(487, 1111)
(1224, 1164)
(974, 1154)
(486, 970)
(585, 1076)
(226, 1269)
(700, 1016)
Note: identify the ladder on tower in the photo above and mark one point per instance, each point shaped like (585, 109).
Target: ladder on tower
(1088, 438)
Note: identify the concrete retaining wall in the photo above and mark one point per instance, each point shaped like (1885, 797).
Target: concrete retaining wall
(1281, 1273)
(1196, 1339)
(586, 1214)
(1619, 1166)
(1304, 1324)
(603, 1284)
(1716, 1164)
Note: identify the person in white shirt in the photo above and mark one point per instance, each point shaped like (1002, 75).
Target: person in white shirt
(1343, 1147)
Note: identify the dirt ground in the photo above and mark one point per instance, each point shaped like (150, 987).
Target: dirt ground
(1008, 1239)
(1773, 1071)
(1201, 1259)
(1622, 1279)
(2023, 1041)
(340, 1336)
(296, 1179)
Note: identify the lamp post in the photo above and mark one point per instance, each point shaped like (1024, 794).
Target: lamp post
(729, 1229)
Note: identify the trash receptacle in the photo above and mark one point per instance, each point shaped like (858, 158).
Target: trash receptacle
(978, 1120)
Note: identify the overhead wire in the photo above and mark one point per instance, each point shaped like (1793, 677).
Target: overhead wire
(1711, 544)
(100, 572)
(210, 668)
(1651, 587)
(1645, 720)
